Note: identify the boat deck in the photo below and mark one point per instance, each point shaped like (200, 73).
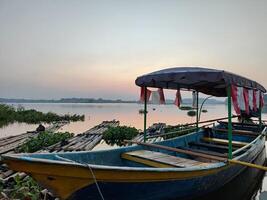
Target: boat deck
(214, 143)
(158, 159)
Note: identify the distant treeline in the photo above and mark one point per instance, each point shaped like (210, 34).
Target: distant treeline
(9, 114)
(99, 100)
(65, 100)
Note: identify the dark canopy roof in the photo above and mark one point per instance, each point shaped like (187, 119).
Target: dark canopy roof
(208, 81)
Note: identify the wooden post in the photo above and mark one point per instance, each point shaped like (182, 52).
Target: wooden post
(230, 156)
(145, 113)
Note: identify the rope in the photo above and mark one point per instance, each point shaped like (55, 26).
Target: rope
(97, 186)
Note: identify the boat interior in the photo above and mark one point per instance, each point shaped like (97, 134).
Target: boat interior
(197, 149)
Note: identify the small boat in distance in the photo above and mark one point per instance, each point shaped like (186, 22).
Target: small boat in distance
(184, 167)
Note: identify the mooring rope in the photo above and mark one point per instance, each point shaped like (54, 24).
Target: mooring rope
(97, 186)
(91, 170)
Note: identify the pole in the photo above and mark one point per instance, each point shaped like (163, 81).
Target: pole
(230, 156)
(200, 109)
(145, 113)
(197, 113)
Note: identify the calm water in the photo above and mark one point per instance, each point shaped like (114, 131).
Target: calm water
(127, 114)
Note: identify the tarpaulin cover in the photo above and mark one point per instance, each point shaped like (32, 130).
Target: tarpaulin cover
(208, 81)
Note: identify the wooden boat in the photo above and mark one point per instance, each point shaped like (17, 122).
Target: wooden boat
(184, 167)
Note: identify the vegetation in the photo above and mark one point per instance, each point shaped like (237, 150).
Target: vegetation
(65, 100)
(191, 113)
(186, 108)
(25, 189)
(9, 114)
(44, 139)
(116, 135)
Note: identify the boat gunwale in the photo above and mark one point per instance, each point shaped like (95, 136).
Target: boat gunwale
(262, 134)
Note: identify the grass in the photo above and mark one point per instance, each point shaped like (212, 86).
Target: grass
(10, 114)
(116, 135)
(44, 139)
(21, 188)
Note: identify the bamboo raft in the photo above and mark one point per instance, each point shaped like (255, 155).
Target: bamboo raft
(85, 141)
(10, 143)
(81, 142)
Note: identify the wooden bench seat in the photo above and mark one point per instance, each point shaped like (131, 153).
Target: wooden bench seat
(160, 160)
(211, 146)
(239, 132)
(208, 152)
(224, 142)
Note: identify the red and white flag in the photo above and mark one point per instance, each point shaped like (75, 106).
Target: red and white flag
(246, 100)
(234, 99)
(240, 98)
(194, 97)
(262, 100)
(178, 99)
(250, 99)
(161, 96)
(255, 100)
(142, 95)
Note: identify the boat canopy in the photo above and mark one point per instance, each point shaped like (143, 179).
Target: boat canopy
(208, 81)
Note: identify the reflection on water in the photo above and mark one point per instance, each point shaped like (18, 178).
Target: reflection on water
(16, 129)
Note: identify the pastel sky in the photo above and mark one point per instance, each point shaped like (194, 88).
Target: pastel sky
(63, 48)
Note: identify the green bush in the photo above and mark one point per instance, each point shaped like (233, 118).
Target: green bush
(25, 189)
(44, 139)
(116, 135)
(185, 108)
(9, 114)
(191, 113)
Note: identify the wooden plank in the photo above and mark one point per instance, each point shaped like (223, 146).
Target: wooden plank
(225, 142)
(178, 150)
(208, 152)
(240, 132)
(211, 146)
(239, 124)
(158, 159)
(207, 121)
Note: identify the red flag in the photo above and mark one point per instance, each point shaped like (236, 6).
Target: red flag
(161, 96)
(178, 99)
(142, 95)
(246, 100)
(234, 99)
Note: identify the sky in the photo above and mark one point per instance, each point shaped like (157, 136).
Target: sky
(72, 48)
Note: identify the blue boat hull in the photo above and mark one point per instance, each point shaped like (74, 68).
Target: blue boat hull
(171, 190)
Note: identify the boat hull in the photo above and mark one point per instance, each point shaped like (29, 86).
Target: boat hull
(77, 180)
(245, 184)
(175, 189)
